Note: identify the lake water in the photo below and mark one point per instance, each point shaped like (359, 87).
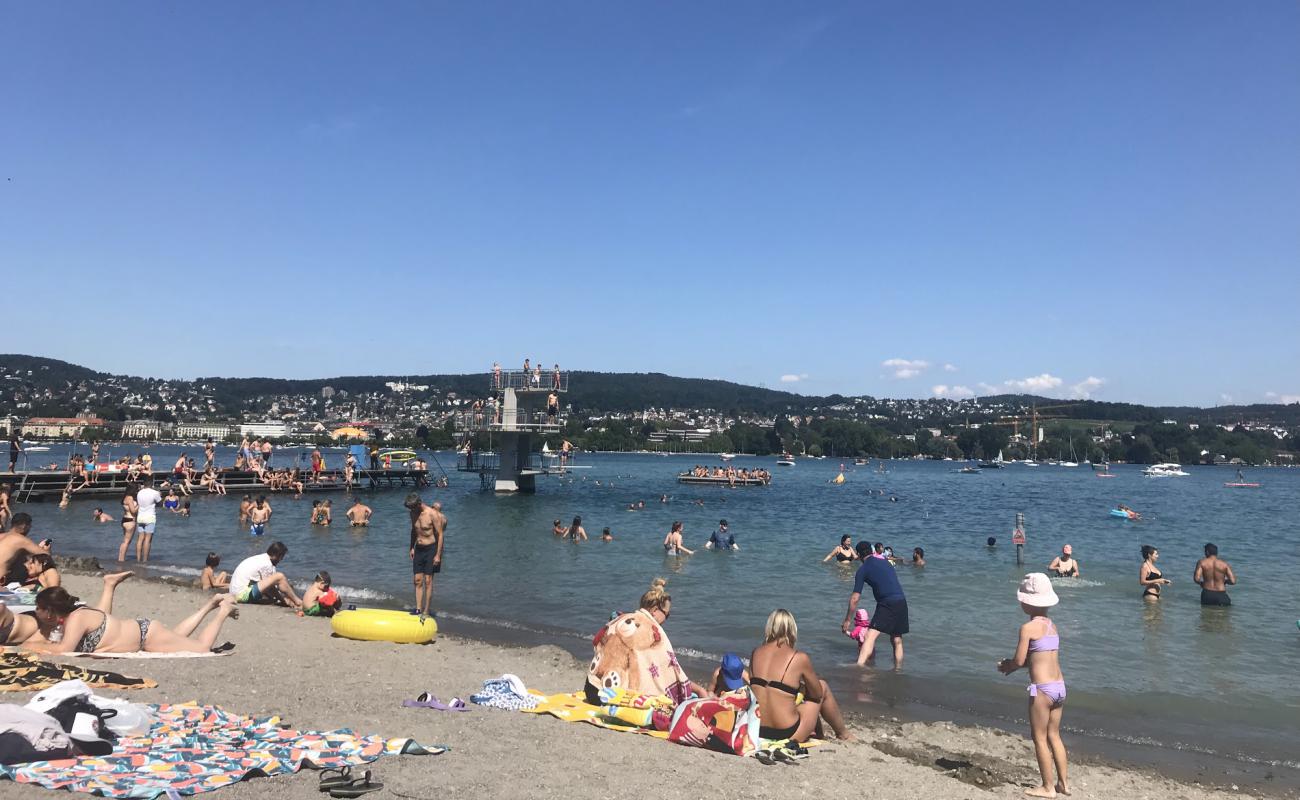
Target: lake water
(1171, 674)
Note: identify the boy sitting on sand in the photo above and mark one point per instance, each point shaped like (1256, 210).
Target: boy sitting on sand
(210, 579)
(320, 600)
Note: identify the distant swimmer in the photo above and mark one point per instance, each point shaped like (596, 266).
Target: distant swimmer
(100, 516)
(576, 531)
(843, 552)
(1064, 565)
(918, 557)
(992, 541)
(1214, 576)
(606, 536)
(359, 514)
(673, 542)
(558, 528)
(1149, 577)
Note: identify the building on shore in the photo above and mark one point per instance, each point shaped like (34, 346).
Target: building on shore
(216, 431)
(146, 429)
(264, 430)
(59, 427)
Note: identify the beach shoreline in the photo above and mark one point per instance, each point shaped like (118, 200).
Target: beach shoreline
(300, 671)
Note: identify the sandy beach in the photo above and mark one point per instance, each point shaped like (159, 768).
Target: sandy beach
(296, 669)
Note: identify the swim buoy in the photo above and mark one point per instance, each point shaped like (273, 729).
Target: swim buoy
(1115, 512)
(384, 625)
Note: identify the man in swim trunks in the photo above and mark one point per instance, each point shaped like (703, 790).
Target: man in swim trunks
(1214, 576)
(890, 617)
(427, 526)
(15, 447)
(259, 515)
(359, 514)
(256, 579)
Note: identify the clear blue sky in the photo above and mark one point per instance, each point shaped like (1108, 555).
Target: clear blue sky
(1053, 191)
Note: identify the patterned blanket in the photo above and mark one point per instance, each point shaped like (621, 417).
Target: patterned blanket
(197, 748)
(24, 672)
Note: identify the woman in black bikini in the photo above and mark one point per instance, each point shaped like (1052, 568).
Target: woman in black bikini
(129, 507)
(1150, 577)
(94, 630)
(843, 552)
(779, 673)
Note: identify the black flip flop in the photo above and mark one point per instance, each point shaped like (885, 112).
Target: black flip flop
(784, 756)
(358, 787)
(334, 778)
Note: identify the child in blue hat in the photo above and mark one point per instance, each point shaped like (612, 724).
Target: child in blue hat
(730, 675)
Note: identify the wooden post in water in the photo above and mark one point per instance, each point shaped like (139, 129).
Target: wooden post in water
(1018, 538)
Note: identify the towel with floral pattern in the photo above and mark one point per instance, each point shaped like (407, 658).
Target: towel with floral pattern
(193, 749)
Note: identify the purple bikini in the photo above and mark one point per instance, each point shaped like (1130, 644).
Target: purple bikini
(1055, 690)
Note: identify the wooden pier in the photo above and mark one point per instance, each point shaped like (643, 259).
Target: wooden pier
(36, 486)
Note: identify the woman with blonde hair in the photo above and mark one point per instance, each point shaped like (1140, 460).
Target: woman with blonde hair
(779, 674)
(632, 652)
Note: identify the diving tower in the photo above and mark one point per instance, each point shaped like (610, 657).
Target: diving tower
(511, 419)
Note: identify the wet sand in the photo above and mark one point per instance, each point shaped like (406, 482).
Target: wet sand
(296, 669)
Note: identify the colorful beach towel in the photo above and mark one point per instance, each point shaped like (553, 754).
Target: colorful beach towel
(633, 653)
(573, 707)
(727, 724)
(193, 749)
(24, 672)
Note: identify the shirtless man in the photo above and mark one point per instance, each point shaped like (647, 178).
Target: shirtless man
(1214, 577)
(244, 505)
(16, 541)
(427, 526)
(259, 515)
(209, 454)
(359, 514)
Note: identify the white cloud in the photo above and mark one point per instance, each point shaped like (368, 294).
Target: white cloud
(1284, 399)
(955, 392)
(1225, 398)
(949, 368)
(1037, 383)
(1085, 388)
(904, 368)
(792, 378)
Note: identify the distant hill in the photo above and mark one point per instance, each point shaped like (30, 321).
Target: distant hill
(629, 392)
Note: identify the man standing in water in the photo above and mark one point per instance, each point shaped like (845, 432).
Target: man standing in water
(359, 514)
(1214, 576)
(259, 515)
(146, 517)
(427, 526)
(890, 616)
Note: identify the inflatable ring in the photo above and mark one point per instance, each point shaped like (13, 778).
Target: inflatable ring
(384, 625)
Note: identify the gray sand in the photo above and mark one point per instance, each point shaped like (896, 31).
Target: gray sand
(294, 668)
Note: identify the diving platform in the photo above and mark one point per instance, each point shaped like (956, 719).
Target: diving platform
(499, 432)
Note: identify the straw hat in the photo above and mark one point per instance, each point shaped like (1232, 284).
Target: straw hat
(1036, 590)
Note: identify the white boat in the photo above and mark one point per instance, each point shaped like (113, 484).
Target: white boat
(786, 460)
(37, 449)
(726, 456)
(1167, 470)
(1029, 463)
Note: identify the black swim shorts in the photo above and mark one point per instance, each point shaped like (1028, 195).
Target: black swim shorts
(423, 564)
(1209, 597)
(890, 617)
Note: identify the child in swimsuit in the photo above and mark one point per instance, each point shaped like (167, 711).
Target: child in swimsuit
(320, 600)
(1038, 649)
(861, 624)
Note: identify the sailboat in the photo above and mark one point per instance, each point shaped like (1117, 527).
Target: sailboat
(1071, 462)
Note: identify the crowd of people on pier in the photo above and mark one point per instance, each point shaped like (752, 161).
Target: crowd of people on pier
(731, 474)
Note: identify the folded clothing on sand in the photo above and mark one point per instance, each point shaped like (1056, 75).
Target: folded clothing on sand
(194, 749)
(507, 692)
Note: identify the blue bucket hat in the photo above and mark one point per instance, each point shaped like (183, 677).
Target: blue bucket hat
(733, 671)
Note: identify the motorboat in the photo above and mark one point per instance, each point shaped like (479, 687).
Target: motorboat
(786, 460)
(968, 470)
(726, 456)
(1167, 470)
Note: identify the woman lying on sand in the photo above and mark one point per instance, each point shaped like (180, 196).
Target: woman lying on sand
(19, 628)
(95, 630)
(779, 673)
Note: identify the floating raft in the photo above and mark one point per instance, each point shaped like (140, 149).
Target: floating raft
(38, 485)
(686, 477)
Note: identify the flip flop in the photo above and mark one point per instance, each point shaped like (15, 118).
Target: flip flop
(794, 750)
(357, 787)
(334, 778)
(427, 700)
(764, 757)
(225, 647)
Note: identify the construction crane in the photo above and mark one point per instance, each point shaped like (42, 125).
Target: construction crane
(1032, 418)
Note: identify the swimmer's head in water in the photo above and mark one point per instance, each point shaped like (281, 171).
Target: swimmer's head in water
(992, 541)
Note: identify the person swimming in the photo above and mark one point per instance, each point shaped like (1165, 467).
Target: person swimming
(1064, 565)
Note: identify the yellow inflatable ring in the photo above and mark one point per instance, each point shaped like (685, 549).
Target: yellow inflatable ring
(384, 625)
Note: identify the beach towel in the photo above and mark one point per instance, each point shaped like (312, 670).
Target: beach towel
(193, 749)
(632, 653)
(24, 672)
(573, 707)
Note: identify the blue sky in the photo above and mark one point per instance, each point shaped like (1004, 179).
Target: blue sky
(888, 198)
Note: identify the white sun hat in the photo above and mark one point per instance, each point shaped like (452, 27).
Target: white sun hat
(1036, 590)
